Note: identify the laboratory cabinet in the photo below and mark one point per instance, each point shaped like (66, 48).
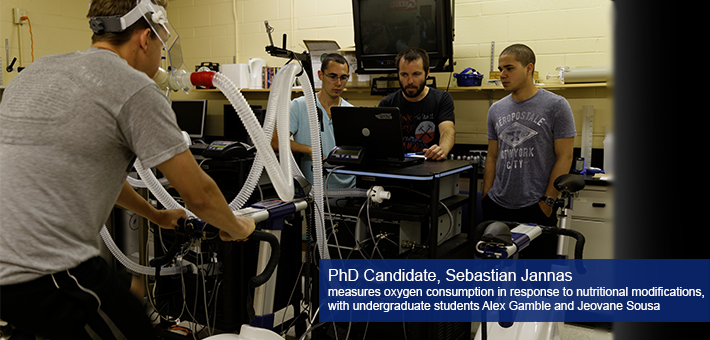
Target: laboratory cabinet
(592, 216)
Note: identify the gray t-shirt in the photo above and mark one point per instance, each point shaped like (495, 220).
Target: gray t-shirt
(70, 127)
(525, 132)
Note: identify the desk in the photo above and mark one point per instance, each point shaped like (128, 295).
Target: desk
(428, 171)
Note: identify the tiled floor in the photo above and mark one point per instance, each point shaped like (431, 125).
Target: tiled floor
(579, 332)
(570, 332)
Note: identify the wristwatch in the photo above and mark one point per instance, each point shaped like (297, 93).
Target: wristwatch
(549, 200)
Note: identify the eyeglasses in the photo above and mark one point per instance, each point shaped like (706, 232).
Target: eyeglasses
(333, 77)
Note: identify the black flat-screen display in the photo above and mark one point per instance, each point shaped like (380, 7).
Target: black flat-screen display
(190, 115)
(383, 28)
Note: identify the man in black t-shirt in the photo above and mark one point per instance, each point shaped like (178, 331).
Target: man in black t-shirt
(427, 114)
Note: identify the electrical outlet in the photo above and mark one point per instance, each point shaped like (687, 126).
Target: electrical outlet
(18, 13)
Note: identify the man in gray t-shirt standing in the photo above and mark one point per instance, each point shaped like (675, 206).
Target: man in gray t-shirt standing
(530, 142)
(70, 127)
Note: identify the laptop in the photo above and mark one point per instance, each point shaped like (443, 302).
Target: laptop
(377, 130)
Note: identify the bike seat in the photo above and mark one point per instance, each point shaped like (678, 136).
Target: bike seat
(569, 183)
(498, 232)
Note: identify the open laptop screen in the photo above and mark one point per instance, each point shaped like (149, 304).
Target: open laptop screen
(376, 129)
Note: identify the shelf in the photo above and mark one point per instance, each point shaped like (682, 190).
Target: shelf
(298, 90)
(542, 86)
(241, 90)
(555, 86)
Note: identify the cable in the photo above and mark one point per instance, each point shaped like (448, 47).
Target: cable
(310, 329)
(327, 203)
(204, 294)
(184, 302)
(335, 331)
(369, 226)
(313, 319)
(451, 216)
(347, 335)
(372, 256)
(32, 40)
(318, 214)
(288, 302)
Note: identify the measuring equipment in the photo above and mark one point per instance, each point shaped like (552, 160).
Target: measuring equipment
(344, 155)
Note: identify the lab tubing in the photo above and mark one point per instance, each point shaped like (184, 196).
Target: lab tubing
(346, 192)
(157, 189)
(282, 180)
(281, 177)
(278, 103)
(129, 264)
(317, 157)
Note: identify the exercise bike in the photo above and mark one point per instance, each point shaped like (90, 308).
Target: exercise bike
(191, 229)
(505, 240)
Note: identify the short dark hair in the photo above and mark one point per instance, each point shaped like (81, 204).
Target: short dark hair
(412, 54)
(336, 57)
(521, 53)
(101, 8)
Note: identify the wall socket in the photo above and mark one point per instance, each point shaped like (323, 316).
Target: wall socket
(18, 13)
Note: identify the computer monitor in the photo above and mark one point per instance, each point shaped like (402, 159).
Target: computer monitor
(190, 115)
(234, 129)
(385, 28)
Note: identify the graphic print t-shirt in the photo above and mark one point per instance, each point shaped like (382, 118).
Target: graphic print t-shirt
(525, 132)
(421, 119)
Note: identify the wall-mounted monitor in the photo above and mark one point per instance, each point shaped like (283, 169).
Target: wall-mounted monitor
(383, 28)
(190, 115)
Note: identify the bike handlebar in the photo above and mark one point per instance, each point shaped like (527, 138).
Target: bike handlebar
(192, 227)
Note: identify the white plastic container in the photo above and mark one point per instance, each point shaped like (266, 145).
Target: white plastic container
(238, 74)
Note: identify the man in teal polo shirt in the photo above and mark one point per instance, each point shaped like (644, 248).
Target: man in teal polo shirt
(334, 74)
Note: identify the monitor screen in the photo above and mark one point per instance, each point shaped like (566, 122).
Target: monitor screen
(383, 28)
(234, 129)
(190, 115)
(392, 26)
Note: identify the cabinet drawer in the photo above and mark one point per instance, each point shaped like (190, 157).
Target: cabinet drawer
(593, 203)
(598, 237)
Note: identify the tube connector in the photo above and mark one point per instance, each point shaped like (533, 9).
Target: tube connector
(377, 194)
(202, 78)
(178, 80)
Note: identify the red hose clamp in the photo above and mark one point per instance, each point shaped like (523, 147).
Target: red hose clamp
(203, 78)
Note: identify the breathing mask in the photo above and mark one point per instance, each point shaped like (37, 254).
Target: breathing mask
(158, 19)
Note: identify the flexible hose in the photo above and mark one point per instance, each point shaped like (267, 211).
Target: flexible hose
(157, 189)
(278, 90)
(279, 104)
(347, 192)
(317, 156)
(138, 183)
(282, 180)
(132, 266)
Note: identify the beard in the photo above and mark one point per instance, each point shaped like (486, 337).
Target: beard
(410, 87)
